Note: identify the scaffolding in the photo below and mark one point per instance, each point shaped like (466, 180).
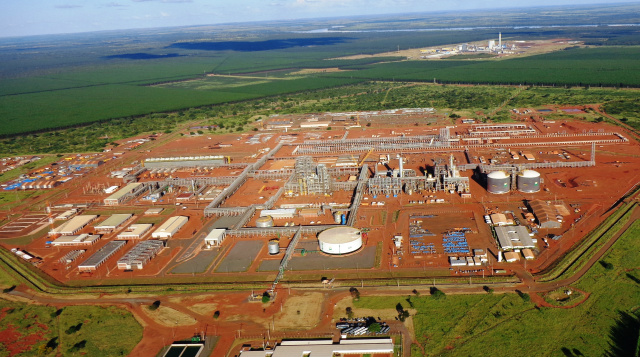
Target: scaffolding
(385, 186)
(309, 178)
(445, 139)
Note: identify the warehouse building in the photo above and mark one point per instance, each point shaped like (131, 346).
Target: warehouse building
(326, 348)
(73, 226)
(215, 237)
(140, 255)
(130, 190)
(112, 223)
(82, 239)
(185, 161)
(545, 214)
(511, 257)
(170, 227)
(135, 231)
(514, 237)
(99, 257)
(153, 211)
(279, 213)
(499, 219)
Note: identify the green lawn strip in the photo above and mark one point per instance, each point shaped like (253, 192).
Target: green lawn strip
(573, 260)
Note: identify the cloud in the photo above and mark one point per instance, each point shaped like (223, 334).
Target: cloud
(67, 6)
(114, 4)
(165, 1)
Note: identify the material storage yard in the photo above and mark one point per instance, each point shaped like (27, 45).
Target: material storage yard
(357, 203)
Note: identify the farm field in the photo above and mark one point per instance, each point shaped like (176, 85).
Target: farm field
(478, 102)
(95, 78)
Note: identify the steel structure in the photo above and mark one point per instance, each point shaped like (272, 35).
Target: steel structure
(357, 197)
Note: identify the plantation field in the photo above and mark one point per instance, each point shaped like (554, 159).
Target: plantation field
(609, 67)
(108, 76)
(470, 101)
(462, 325)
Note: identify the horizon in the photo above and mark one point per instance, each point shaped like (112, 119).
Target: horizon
(17, 21)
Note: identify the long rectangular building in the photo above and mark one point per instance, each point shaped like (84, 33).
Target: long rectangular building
(326, 348)
(514, 237)
(122, 194)
(99, 257)
(139, 255)
(170, 227)
(112, 223)
(82, 239)
(135, 231)
(185, 161)
(74, 225)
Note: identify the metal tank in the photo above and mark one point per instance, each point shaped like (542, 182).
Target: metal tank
(498, 182)
(264, 222)
(528, 181)
(273, 247)
(337, 217)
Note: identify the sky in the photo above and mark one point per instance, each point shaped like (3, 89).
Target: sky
(38, 17)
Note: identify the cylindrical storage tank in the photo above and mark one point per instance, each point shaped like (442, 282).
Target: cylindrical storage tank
(528, 181)
(498, 182)
(337, 217)
(273, 247)
(264, 222)
(340, 240)
(344, 219)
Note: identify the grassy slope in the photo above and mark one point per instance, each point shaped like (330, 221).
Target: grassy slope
(507, 325)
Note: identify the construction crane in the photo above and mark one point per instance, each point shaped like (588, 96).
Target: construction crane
(365, 157)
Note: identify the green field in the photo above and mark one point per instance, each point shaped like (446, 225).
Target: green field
(371, 95)
(94, 87)
(612, 66)
(73, 330)
(606, 324)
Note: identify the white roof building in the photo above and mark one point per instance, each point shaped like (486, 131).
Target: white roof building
(113, 222)
(121, 194)
(514, 237)
(73, 225)
(170, 227)
(82, 239)
(215, 237)
(135, 231)
(279, 213)
(325, 348)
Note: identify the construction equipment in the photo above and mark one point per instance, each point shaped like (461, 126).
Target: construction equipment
(365, 157)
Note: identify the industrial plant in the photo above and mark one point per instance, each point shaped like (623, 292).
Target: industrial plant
(474, 198)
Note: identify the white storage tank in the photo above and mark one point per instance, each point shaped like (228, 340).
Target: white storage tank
(498, 182)
(273, 247)
(340, 240)
(264, 222)
(337, 217)
(528, 181)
